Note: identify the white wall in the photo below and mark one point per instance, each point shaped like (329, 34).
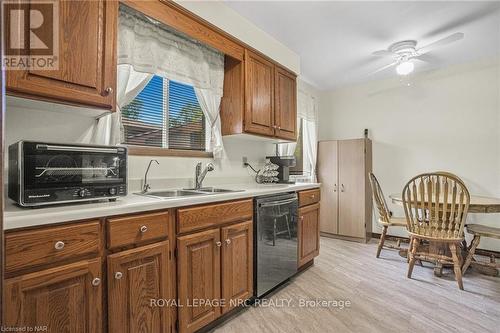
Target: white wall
(224, 17)
(447, 120)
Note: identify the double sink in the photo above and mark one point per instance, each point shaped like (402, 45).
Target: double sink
(187, 192)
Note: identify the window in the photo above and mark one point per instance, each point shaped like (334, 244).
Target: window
(165, 114)
(298, 169)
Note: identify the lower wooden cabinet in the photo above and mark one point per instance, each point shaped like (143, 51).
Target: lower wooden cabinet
(206, 261)
(198, 271)
(308, 233)
(67, 298)
(237, 264)
(136, 278)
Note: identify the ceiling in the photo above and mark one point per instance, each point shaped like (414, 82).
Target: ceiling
(335, 40)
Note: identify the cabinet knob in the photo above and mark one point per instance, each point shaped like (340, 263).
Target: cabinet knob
(313, 196)
(302, 218)
(118, 275)
(219, 244)
(279, 127)
(342, 188)
(108, 91)
(228, 241)
(96, 282)
(143, 229)
(59, 245)
(334, 187)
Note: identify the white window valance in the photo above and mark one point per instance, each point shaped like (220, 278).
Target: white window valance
(152, 47)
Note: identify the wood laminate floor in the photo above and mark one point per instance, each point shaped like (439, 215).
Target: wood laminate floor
(382, 298)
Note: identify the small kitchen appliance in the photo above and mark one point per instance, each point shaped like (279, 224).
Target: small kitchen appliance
(284, 164)
(52, 173)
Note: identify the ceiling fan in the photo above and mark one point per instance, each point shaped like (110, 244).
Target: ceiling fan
(403, 52)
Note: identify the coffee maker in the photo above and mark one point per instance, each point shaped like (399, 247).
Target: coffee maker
(284, 163)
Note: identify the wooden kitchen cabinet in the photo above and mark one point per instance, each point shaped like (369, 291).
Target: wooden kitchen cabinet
(135, 277)
(198, 269)
(285, 104)
(62, 299)
(87, 58)
(260, 97)
(308, 233)
(237, 264)
(259, 93)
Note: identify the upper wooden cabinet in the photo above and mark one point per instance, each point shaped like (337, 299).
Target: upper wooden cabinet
(87, 58)
(259, 98)
(285, 104)
(64, 299)
(259, 103)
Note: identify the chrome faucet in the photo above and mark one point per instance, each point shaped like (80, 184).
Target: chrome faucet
(146, 186)
(200, 175)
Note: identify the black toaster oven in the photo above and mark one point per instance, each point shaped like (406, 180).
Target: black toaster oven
(49, 173)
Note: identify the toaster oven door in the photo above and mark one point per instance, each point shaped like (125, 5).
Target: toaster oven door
(54, 172)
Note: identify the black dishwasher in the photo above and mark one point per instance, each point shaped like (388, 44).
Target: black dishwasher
(275, 240)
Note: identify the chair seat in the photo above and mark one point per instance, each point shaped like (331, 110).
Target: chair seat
(394, 221)
(482, 230)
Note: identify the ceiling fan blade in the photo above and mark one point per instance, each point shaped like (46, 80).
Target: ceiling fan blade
(384, 53)
(383, 68)
(447, 40)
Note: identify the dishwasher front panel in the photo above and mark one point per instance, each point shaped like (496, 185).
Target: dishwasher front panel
(276, 243)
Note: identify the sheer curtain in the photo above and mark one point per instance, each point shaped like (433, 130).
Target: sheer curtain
(109, 129)
(151, 48)
(307, 110)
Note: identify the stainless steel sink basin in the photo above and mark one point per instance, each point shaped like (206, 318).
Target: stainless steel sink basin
(216, 190)
(170, 193)
(186, 192)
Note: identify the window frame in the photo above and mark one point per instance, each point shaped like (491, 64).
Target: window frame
(138, 150)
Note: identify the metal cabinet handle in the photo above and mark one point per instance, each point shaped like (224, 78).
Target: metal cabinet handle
(313, 196)
(219, 244)
(228, 241)
(334, 187)
(59, 245)
(342, 188)
(118, 275)
(108, 91)
(302, 218)
(144, 229)
(96, 282)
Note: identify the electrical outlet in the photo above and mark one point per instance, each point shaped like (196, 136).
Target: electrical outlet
(245, 161)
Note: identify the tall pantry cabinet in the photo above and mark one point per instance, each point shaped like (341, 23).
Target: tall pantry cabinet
(346, 209)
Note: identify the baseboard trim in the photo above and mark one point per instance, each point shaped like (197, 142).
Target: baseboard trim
(347, 238)
(482, 252)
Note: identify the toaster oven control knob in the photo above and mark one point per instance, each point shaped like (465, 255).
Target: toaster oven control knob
(112, 191)
(81, 193)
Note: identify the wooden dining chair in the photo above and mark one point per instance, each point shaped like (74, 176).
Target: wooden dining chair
(436, 206)
(479, 230)
(385, 217)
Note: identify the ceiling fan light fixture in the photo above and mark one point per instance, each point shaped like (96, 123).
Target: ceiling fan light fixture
(405, 68)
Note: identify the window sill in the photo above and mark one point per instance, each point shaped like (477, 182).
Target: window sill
(153, 151)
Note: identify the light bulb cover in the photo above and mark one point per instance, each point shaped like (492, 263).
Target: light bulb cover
(405, 68)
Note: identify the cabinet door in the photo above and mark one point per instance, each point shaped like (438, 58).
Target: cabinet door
(237, 264)
(62, 299)
(87, 62)
(285, 104)
(308, 231)
(198, 279)
(328, 177)
(137, 277)
(352, 179)
(259, 101)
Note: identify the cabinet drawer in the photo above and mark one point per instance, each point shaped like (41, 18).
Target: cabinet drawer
(195, 218)
(34, 248)
(309, 197)
(135, 229)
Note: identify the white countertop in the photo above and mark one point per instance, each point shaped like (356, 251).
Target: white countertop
(17, 217)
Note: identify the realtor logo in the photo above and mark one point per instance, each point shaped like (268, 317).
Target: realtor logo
(31, 34)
